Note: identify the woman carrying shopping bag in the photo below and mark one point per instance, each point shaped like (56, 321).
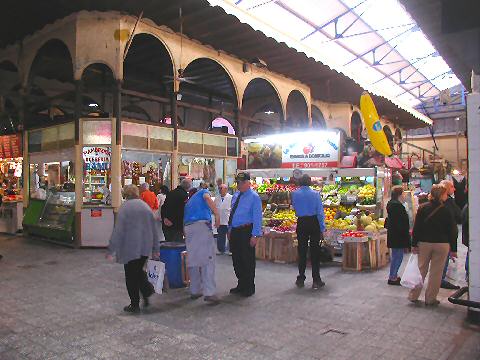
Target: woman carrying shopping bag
(432, 238)
(134, 239)
(398, 233)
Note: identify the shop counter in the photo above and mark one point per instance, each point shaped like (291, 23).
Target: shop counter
(97, 225)
(11, 214)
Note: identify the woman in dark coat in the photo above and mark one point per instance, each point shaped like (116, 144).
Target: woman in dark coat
(398, 233)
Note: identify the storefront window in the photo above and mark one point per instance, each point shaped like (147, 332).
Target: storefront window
(97, 132)
(97, 175)
(51, 176)
(139, 167)
(201, 169)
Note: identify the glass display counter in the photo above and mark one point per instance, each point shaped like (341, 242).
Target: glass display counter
(53, 218)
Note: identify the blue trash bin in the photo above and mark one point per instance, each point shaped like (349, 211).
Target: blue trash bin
(171, 255)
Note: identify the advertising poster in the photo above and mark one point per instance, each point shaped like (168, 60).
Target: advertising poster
(313, 149)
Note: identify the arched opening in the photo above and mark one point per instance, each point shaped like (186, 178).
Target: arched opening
(222, 125)
(261, 108)
(52, 72)
(9, 98)
(318, 120)
(206, 84)
(388, 133)
(147, 70)
(97, 89)
(356, 126)
(398, 141)
(297, 111)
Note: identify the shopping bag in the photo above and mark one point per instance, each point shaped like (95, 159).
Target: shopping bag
(411, 277)
(156, 274)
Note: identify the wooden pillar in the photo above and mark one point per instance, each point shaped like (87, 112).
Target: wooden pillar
(117, 110)
(78, 163)
(237, 123)
(78, 108)
(116, 158)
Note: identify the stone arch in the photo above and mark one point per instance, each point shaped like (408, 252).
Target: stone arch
(230, 76)
(318, 120)
(297, 110)
(356, 126)
(98, 81)
(59, 49)
(222, 124)
(262, 102)
(210, 87)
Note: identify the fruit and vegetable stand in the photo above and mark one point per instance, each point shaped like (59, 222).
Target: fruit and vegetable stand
(353, 200)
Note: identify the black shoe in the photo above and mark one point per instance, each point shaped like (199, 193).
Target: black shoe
(131, 309)
(317, 284)
(449, 285)
(300, 282)
(394, 282)
(195, 296)
(248, 293)
(1, 257)
(235, 290)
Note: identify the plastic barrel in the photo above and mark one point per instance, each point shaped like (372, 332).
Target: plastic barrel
(171, 255)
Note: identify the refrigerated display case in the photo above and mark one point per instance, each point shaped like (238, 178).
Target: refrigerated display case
(53, 218)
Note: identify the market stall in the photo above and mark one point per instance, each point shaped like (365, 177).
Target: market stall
(354, 198)
(205, 157)
(11, 162)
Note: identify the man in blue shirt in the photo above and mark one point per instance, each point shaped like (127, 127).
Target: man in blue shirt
(308, 207)
(245, 227)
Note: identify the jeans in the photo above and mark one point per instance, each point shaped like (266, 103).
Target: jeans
(395, 263)
(222, 238)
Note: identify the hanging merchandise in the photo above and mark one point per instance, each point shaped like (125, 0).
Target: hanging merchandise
(374, 127)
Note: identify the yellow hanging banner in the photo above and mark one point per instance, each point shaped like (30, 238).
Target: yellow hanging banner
(374, 127)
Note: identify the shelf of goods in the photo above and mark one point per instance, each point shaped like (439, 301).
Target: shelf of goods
(353, 201)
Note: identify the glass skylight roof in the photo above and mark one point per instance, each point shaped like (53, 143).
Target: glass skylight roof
(376, 43)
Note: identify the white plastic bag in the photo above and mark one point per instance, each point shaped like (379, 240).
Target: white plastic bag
(156, 274)
(411, 277)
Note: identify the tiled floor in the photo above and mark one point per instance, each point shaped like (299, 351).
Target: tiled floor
(59, 303)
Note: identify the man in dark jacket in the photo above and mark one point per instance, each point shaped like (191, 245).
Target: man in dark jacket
(173, 211)
(456, 213)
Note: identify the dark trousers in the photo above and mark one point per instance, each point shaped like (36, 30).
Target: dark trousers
(173, 234)
(308, 231)
(243, 257)
(137, 281)
(222, 238)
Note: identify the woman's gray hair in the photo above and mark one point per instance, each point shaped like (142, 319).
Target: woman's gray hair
(131, 192)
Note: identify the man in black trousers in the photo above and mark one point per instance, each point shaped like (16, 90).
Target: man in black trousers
(310, 227)
(245, 227)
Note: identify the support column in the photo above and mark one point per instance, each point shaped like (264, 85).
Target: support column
(174, 159)
(116, 159)
(473, 126)
(238, 124)
(78, 164)
(25, 162)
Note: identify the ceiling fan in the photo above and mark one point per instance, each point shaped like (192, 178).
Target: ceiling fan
(180, 76)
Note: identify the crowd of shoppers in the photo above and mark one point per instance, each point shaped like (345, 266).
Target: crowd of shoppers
(194, 215)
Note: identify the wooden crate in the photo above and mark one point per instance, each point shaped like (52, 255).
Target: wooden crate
(281, 247)
(358, 256)
(261, 250)
(383, 253)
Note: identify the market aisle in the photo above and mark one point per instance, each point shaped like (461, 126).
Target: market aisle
(66, 304)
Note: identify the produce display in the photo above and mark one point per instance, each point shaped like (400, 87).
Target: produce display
(342, 205)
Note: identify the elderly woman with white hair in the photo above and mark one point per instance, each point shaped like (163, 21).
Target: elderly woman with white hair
(134, 239)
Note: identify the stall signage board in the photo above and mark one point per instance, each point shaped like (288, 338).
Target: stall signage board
(10, 146)
(95, 212)
(314, 149)
(97, 157)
